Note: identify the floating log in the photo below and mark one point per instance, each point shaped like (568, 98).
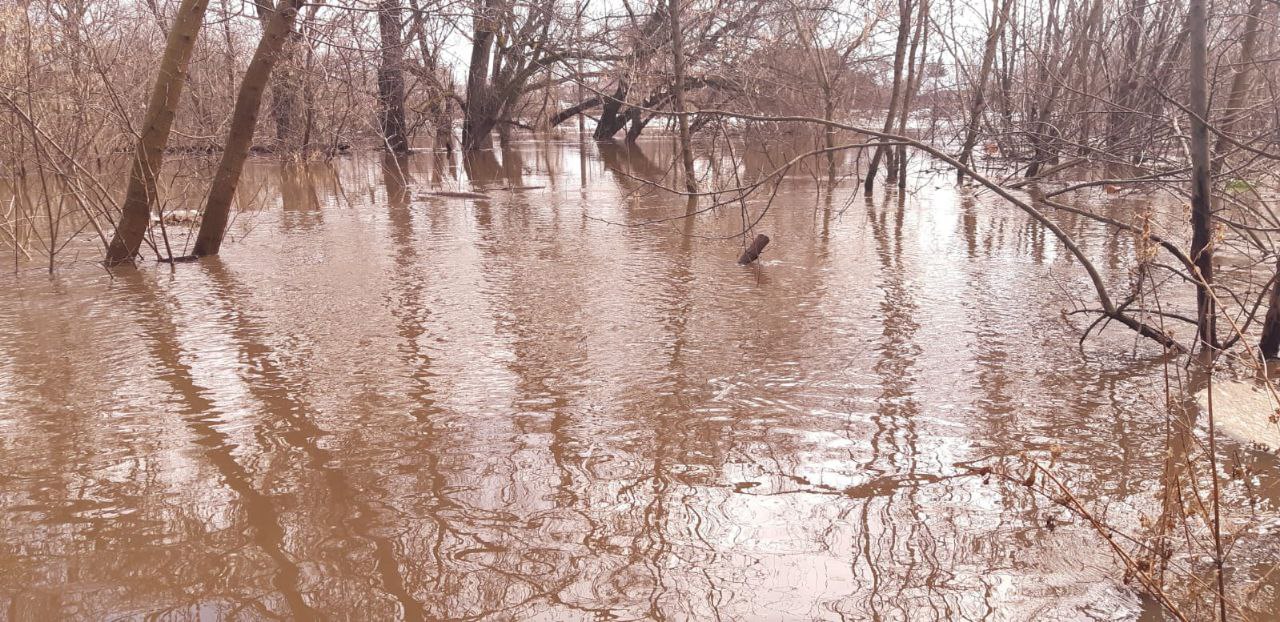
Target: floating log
(179, 259)
(459, 195)
(518, 188)
(753, 252)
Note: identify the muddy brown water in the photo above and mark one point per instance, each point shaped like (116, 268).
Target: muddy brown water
(555, 403)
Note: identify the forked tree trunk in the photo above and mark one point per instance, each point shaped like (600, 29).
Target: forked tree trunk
(612, 117)
(677, 61)
(899, 57)
(165, 96)
(898, 170)
(391, 78)
(610, 120)
(244, 121)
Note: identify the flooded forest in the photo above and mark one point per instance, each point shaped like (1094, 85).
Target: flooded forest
(583, 310)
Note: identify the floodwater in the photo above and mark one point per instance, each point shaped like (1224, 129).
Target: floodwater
(563, 402)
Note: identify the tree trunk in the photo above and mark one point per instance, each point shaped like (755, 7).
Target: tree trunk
(441, 106)
(244, 120)
(899, 57)
(477, 122)
(391, 78)
(677, 64)
(979, 102)
(1238, 99)
(1118, 120)
(575, 110)
(1201, 198)
(898, 171)
(638, 123)
(444, 120)
(165, 96)
(1269, 344)
(611, 121)
(287, 98)
(1044, 132)
(286, 87)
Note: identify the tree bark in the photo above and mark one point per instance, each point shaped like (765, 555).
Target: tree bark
(244, 120)
(149, 157)
(677, 64)
(391, 78)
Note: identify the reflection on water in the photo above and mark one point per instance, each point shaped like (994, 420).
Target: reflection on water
(382, 403)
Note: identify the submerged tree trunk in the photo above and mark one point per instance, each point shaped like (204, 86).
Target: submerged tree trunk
(1119, 126)
(899, 57)
(165, 96)
(752, 252)
(898, 170)
(611, 121)
(477, 121)
(1201, 198)
(979, 102)
(677, 63)
(1237, 100)
(1269, 344)
(612, 115)
(441, 106)
(286, 87)
(243, 122)
(1045, 133)
(391, 78)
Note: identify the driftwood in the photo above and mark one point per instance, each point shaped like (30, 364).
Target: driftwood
(753, 252)
(459, 195)
(179, 259)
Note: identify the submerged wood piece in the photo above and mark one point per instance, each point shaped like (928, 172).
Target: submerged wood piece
(459, 195)
(179, 259)
(753, 252)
